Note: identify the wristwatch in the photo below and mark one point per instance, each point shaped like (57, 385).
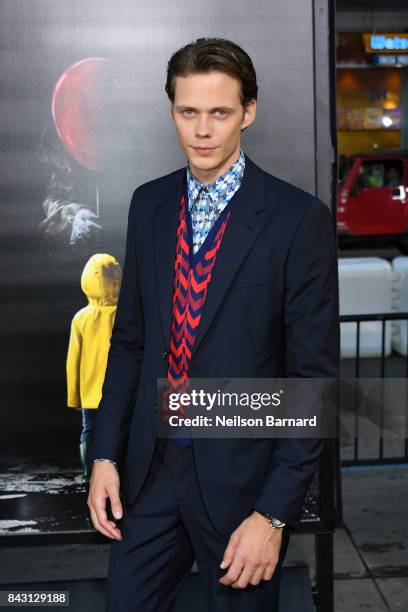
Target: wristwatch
(274, 522)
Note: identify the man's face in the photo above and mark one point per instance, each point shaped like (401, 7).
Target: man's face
(208, 116)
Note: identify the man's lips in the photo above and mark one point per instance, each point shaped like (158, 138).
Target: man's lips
(204, 150)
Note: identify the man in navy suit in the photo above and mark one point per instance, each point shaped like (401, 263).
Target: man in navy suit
(229, 272)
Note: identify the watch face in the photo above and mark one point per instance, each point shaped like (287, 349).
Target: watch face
(278, 523)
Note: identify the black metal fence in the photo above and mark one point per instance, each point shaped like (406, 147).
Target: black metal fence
(353, 367)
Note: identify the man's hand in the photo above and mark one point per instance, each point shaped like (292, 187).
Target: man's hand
(253, 548)
(104, 483)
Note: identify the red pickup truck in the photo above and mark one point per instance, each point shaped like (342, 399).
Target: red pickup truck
(373, 198)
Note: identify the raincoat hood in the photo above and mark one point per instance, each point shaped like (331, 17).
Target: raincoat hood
(100, 280)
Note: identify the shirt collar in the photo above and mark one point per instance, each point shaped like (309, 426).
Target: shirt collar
(221, 186)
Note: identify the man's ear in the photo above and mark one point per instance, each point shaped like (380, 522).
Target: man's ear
(172, 111)
(249, 114)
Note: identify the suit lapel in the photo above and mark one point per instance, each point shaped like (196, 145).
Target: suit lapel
(165, 222)
(242, 229)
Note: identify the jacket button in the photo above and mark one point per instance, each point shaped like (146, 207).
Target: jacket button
(165, 354)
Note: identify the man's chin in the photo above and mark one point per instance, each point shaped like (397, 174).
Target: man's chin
(212, 162)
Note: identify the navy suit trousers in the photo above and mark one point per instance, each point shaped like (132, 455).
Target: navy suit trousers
(163, 532)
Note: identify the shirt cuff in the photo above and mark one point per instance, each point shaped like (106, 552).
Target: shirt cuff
(103, 459)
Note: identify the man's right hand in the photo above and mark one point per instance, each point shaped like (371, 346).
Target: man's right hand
(104, 483)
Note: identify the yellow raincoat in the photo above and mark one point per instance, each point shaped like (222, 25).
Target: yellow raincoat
(91, 330)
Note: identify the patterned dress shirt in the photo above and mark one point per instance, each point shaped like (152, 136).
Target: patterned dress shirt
(206, 202)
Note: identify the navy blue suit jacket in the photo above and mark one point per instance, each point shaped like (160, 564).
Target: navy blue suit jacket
(271, 310)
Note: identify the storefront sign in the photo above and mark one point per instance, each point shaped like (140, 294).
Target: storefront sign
(386, 43)
(390, 60)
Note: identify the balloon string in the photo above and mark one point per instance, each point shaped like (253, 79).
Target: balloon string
(97, 201)
(98, 231)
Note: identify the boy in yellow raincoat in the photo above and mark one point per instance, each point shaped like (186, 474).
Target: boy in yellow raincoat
(89, 342)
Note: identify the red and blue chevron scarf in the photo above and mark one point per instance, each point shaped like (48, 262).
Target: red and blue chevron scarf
(192, 275)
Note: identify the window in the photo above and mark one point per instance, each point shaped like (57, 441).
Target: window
(379, 173)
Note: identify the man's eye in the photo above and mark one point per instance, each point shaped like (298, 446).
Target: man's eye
(221, 113)
(188, 111)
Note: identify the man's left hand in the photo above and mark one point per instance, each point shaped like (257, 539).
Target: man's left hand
(252, 552)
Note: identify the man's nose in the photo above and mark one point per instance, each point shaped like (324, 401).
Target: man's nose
(203, 127)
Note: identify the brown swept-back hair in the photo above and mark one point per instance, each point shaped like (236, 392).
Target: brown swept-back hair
(207, 54)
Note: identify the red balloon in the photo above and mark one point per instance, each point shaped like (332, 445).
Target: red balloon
(85, 107)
